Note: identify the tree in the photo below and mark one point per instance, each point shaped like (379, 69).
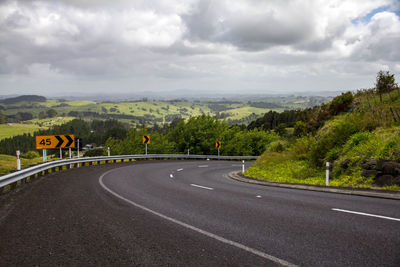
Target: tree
(385, 83)
(51, 113)
(341, 103)
(2, 118)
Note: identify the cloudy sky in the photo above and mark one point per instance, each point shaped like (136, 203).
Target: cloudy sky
(61, 47)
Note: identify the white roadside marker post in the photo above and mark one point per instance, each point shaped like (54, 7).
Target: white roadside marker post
(242, 166)
(18, 161)
(327, 174)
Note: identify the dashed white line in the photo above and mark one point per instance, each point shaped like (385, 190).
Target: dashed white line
(368, 214)
(258, 196)
(178, 170)
(203, 166)
(200, 186)
(171, 175)
(198, 230)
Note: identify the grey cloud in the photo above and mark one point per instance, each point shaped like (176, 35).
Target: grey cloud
(269, 26)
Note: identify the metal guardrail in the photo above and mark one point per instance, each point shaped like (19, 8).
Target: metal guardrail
(38, 169)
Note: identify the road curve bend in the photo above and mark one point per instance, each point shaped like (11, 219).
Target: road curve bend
(188, 213)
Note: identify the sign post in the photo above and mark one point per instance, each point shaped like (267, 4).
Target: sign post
(78, 140)
(146, 141)
(60, 153)
(44, 155)
(18, 161)
(218, 145)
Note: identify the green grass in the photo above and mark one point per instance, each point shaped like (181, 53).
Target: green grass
(9, 163)
(13, 129)
(285, 168)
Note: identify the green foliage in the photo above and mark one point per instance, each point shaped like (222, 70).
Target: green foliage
(334, 134)
(198, 134)
(341, 103)
(385, 83)
(278, 146)
(247, 142)
(30, 155)
(300, 129)
(283, 167)
(302, 146)
(281, 129)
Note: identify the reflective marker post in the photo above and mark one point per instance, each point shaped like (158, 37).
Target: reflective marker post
(242, 166)
(327, 174)
(108, 151)
(18, 161)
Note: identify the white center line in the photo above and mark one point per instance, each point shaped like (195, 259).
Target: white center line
(198, 230)
(204, 187)
(178, 170)
(171, 175)
(258, 196)
(203, 166)
(368, 214)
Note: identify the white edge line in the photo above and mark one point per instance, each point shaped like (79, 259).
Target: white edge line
(178, 170)
(203, 166)
(188, 226)
(200, 186)
(368, 214)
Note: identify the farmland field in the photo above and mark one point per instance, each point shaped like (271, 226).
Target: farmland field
(55, 111)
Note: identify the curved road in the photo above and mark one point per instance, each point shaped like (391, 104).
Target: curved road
(188, 213)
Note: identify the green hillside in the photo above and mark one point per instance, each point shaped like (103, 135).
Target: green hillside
(358, 134)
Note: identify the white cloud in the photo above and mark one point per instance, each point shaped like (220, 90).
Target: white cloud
(263, 45)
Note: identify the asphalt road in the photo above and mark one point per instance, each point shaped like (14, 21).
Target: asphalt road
(188, 213)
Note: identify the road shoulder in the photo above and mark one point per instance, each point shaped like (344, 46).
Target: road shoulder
(331, 189)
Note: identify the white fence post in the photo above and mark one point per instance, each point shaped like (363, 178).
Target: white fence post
(327, 174)
(18, 161)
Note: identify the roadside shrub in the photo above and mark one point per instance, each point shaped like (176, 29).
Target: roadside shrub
(300, 129)
(30, 155)
(277, 146)
(341, 103)
(302, 147)
(334, 134)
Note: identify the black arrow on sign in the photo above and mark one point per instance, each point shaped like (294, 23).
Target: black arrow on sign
(218, 144)
(60, 141)
(70, 140)
(146, 141)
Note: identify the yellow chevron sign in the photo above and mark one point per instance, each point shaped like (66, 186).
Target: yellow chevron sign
(218, 144)
(146, 139)
(55, 141)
